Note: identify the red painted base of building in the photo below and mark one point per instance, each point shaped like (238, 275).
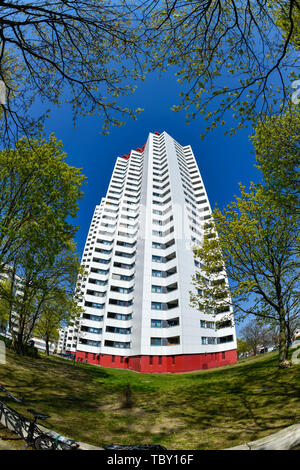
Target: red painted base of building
(180, 363)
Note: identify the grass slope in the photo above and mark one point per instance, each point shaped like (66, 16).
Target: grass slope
(212, 409)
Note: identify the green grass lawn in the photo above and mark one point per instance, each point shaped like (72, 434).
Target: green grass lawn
(212, 409)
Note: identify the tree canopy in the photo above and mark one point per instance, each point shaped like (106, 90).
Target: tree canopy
(86, 53)
(230, 56)
(39, 195)
(42, 291)
(38, 199)
(277, 147)
(256, 240)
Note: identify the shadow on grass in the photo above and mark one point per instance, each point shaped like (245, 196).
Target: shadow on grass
(227, 404)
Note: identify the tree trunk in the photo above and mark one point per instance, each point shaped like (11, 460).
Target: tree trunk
(283, 349)
(18, 344)
(289, 334)
(47, 345)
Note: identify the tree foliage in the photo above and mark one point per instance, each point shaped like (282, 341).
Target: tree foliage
(211, 293)
(229, 56)
(256, 335)
(39, 195)
(43, 289)
(240, 57)
(86, 53)
(4, 303)
(277, 147)
(256, 239)
(242, 347)
(59, 308)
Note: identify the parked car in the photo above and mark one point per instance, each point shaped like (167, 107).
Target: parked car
(67, 355)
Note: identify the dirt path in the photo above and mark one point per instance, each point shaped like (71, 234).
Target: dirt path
(9, 444)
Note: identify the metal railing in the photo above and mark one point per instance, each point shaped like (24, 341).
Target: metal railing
(28, 430)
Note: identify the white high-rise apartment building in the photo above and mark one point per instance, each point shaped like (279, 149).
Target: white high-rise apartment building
(139, 266)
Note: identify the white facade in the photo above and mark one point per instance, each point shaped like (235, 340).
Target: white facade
(40, 344)
(139, 261)
(18, 291)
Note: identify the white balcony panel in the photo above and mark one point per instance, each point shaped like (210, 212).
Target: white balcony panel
(90, 336)
(88, 349)
(91, 323)
(118, 309)
(123, 271)
(119, 323)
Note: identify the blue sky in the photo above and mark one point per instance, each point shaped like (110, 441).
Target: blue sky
(223, 161)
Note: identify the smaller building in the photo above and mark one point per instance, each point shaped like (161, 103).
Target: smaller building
(62, 340)
(40, 344)
(296, 337)
(18, 292)
(67, 339)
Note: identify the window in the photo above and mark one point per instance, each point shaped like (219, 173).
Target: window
(172, 322)
(156, 341)
(211, 340)
(93, 317)
(122, 277)
(174, 340)
(225, 339)
(157, 259)
(90, 342)
(119, 316)
(99, 271)
(157, 289)
(156, 323)
(156, 305)
(122, 290)
(157, 245)
(208, 340)
(121, 303)
(93, 305)
(117, 344)
(95, 293)
(118, 330)
(156, 273)
(97, 281)
(91, 330)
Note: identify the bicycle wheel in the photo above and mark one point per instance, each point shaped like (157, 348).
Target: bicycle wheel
(43, 443)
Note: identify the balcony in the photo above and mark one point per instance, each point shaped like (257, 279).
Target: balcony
(170, 341)
(122, 296)
(117, 345)
(118, 302)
